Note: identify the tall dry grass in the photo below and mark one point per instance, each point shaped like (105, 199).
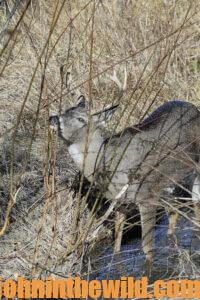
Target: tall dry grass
(156, 41)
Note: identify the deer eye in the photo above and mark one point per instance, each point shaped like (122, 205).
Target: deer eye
(81, 120)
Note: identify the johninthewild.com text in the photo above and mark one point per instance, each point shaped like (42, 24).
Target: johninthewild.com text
(125, 287)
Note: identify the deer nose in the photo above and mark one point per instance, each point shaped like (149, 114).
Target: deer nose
(54, 122)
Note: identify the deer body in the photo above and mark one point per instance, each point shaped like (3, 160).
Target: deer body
(154, 155)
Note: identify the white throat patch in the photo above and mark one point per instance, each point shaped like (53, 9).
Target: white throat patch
(76, 155)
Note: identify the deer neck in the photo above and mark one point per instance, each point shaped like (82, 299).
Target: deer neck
(85, 152)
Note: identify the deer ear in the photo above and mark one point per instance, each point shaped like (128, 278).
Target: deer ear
(82, 103)
(108, 113)
(105, 115)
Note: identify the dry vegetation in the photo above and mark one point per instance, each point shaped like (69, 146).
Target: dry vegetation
(158, 43)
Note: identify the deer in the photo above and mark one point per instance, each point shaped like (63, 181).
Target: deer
(139, 163)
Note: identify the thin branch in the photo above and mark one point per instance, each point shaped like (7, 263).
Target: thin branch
(11, 14)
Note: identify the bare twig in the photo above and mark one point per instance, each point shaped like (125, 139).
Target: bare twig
(10, 16)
